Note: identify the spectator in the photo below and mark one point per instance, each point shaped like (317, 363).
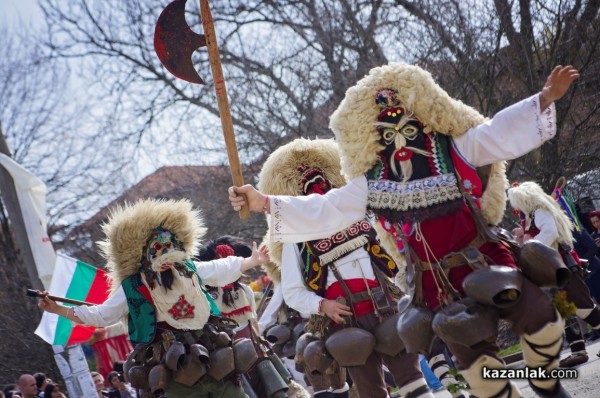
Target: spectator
(117, 386)
(99, 383)
(52, 390)
(27, 386)
(41, 382)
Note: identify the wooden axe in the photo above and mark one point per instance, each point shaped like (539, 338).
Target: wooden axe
(174, 43)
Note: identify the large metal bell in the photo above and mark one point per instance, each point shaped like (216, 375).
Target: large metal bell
(496, 285)
(221, 363)
(466, 322)
(543, 265)
(349, 346)
(414, 328)
(387, 338)
(175, 356)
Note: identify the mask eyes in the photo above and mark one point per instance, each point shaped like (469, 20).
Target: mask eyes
(409, 131)
(388, 135)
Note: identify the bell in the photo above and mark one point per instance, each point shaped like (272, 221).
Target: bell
(175, 356)
(349, 346)
(543, 265)
(289, 349)
(158, 379)
(138, 376)
(281, 368)
(298, 330)
(222, 339)
(316, 357)
(497, 286)
(221, 363)
(278, 334)
(200, 352)
(274, 385)
(244, 355)
(387, 339)
(191, 372)
(414, 328)
(466, 322)
(301, 344)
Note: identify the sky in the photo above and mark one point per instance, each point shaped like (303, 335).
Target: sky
(14, 11)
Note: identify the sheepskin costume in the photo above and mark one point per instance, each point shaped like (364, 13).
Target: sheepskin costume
(354, 124)
(529, 197)
(129, 226)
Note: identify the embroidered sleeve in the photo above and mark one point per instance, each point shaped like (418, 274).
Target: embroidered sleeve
(106, 314)
(304, 218)
(511, 133)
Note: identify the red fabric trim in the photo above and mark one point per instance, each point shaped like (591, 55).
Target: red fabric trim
(355, 285)
(109, 351)
(236, 312)
(146, 293)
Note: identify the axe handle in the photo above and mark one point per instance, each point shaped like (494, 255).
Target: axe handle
(222, 100)
(37, 293)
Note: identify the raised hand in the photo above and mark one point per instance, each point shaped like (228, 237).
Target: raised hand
(557, 84)
(257, 202)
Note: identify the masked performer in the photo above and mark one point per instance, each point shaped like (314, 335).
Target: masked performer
(236, 302)
(181, 349)
(544, 220)
(348, 264)
(414, 157)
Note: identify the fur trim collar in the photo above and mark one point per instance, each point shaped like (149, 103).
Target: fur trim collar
(129, 227)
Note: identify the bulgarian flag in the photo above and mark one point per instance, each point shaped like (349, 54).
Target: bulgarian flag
(76, 280)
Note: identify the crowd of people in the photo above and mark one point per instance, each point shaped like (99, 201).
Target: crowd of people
(35, 385)
(386, 270)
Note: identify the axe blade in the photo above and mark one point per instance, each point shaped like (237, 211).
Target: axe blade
(174, 42)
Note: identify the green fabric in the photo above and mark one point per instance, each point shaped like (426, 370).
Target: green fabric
(214, 310)
(207, 388)
(142, 314)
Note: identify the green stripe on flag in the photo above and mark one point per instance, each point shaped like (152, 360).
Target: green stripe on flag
(81, 281)
(79, 287)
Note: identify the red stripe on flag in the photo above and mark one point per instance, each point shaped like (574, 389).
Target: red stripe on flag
(80, 334)
(98, 292)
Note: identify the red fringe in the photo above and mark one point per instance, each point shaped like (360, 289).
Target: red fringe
(237, 312)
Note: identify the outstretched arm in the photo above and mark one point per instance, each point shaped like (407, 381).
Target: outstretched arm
(105, 314)
(49, 305)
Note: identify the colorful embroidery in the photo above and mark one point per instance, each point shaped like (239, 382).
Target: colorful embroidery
(357, 235)
(182, 309)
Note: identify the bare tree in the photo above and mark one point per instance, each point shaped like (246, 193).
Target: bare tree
(288, 64)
